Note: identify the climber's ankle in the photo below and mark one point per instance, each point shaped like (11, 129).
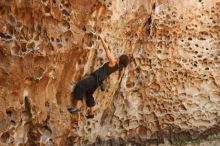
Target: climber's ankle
(90, 110)
(78, 104)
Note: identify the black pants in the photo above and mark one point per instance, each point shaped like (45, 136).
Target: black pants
(87, 86)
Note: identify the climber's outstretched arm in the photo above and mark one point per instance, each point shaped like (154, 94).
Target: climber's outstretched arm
(110, 56)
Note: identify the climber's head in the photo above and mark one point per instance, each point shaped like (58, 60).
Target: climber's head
(123, 60)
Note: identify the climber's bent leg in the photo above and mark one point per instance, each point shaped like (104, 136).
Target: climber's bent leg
(87, 85)
(90, 102)
(77, 97)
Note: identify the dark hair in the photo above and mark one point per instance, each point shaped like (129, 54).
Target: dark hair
(123, 60)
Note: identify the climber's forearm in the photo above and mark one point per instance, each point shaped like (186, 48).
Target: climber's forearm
(109, 55)
(104, 44)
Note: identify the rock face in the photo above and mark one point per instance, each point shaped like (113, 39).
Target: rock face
(170, 89)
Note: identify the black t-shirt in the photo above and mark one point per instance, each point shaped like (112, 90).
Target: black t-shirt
(103, 72)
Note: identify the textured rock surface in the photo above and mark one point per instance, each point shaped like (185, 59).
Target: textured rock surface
(170, 90)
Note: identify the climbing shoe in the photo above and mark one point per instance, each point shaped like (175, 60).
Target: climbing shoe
(73, 110)
(90, 116)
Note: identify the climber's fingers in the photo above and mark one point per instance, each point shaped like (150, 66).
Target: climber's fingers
(99, 37)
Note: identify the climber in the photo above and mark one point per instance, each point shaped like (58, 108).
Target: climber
(94, 80)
